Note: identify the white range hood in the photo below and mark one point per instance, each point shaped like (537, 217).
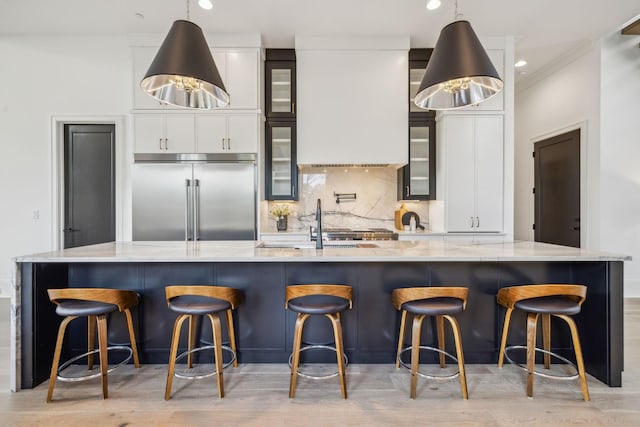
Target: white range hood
(352, 101)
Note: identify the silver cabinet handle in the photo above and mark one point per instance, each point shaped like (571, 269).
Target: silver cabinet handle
(228, 143)
(187, 215)
(196, 210)
(471, 221)
(477, 221)
(223, 143)
(406, 191)
(161, 143)
(166, 144)
(293, 191)
(293, 108)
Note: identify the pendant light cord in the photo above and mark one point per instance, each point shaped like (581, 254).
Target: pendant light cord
(189, 19)
(455, 13)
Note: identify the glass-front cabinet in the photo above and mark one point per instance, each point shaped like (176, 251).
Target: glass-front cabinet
(416, 180)
(280, 167)
(418, 59)
(280, 74)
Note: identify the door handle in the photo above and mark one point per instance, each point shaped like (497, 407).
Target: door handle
(196, 210)
(70, 230)
(187, 214)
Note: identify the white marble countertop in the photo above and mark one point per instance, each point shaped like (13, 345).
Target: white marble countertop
(386, 251)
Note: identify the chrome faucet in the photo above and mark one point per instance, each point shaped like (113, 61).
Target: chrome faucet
(319, 226)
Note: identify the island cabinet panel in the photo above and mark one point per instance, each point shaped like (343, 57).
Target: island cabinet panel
(264, 328)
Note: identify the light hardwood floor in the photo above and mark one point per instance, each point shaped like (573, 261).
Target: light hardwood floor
(257, 395)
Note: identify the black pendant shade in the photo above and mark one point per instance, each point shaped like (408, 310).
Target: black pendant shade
(459, 72)
(183, 72)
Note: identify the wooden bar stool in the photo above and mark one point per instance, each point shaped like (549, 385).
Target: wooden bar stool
(441, 303)
(547, 300)
(327, 300)
(95, 304)
(191, 301)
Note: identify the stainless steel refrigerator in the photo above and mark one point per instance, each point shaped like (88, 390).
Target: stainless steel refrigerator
(194, 197)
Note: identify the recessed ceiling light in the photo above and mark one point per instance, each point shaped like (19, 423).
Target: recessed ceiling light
(433, 4)
(205, 4)
(139, 15)
(520, 63)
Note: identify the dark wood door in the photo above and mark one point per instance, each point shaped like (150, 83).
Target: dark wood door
(89, 175)
(557, 190)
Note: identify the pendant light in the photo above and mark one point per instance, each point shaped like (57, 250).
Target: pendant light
(459, 72)
(183, 72)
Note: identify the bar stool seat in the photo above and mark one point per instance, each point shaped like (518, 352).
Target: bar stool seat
(190, 301)
(315, 299)
(442, 303)
(95, 304)
(546, 300)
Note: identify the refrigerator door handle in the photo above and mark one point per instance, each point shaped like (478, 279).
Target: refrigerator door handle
(196, 210)
(187, 215)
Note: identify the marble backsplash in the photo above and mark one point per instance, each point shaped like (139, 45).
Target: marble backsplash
(374, 205)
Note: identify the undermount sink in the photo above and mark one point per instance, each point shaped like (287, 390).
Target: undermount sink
(312, 245)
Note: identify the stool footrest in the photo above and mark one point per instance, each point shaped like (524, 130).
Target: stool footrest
(97, 374)
(316, 347)
(429, 376)
(208, 374)
(542, 374)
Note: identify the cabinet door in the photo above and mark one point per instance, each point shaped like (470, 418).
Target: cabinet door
(242, 133)
(142, 58)
(239, 72)
(179, 133)
(418, 177)
(242, 78)
(148, 133)
(459, 199)
(211, 133)
(280, 89)
(489, 173)
(281, 178)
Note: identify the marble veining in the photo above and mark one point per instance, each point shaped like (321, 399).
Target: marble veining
(374, 205)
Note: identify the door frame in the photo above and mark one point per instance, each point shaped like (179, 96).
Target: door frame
(57, 173)
(585, 217)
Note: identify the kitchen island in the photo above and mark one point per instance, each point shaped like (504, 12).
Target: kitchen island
(265, 329)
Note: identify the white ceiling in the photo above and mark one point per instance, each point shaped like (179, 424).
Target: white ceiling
(544, 29)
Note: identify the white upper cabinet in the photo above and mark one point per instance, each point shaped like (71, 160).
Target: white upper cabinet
(473, 147)
(227, 133)
(239, 69)
(164, 133)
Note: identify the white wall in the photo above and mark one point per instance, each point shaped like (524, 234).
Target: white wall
(564, 100)
(620, 153)
(597, 91)
(44, 77)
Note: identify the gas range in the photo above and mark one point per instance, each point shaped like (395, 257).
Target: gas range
(355, 234)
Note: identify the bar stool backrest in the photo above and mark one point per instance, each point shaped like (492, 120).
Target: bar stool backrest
(122, 298)
(400, 296)
(341, 291)
(231, 295)
(509, 296)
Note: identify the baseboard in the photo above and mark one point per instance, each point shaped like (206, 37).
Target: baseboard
(632, 288)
